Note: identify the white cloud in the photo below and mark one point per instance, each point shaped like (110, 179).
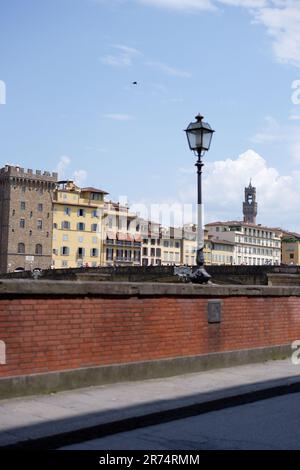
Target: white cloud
(272, 132)
(223, 193)
(288, 135)
(62, 165)
(96, 149)
(123, 57)
(79, 177)
(198, 5)
(245, 3)
(281, 18)
(2, 92)
(186, 5)
(173, 100)
(186, 171)
(294, 149)
(223, 190)
(118, 117)
(168, 70)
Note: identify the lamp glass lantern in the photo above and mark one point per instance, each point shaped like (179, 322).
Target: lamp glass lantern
(199, 135)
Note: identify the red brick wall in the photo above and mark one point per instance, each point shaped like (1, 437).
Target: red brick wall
(51, 334)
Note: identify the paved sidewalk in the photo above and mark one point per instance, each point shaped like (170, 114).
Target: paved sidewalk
(34, 418)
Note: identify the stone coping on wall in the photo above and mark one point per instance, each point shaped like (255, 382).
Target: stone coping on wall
(28, 288)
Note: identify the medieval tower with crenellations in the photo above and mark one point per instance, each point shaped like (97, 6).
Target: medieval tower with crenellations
(250, 205)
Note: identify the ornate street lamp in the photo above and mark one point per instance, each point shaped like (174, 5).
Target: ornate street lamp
(199, 135)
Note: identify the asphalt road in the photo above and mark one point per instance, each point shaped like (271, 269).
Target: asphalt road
(266, 424)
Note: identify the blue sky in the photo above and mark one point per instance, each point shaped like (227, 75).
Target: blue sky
(68, 67)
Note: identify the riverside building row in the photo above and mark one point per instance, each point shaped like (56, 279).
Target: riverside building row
(49, 223)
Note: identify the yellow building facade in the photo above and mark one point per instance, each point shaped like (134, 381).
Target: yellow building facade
(222, 252)
(208, 248)
(77, 226)
(189, 245)
(290, 246)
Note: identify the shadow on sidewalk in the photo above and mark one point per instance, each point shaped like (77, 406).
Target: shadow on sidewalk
(57, 433)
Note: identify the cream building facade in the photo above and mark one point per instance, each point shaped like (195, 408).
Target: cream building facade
(253, 244)
(122, 239)
(171, 246)
(151, 243)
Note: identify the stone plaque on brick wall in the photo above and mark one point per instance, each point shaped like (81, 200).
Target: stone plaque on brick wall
(214, 310)
(2, 353)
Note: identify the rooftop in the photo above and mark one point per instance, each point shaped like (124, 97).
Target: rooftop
(238, 223)
(290, 235)
(93, 190)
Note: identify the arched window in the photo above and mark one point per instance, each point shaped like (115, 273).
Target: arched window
(38, 249)
(21, 248)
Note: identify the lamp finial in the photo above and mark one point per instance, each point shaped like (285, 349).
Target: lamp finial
(199, 117)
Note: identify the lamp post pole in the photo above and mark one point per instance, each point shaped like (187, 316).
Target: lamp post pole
(199, 135)
(200, 231)
(200, 275)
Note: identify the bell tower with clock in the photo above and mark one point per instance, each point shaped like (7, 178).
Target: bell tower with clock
(250, 205)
